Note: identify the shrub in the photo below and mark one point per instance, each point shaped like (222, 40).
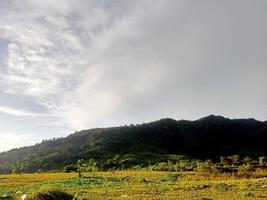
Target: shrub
(235, 159)
(223, 187)
(248, 194)
(91, 166)
(245, 170)
(70, 168)
(262, 160)
(51, 195)
(207, 167)
(201, 186)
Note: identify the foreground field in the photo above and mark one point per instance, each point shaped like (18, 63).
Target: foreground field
(137, 185)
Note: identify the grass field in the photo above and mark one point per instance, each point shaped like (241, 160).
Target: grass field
(137, 185)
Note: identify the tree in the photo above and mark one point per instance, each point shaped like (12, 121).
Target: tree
(92, 166)
(21, 169)
(70, 168)
(262, 160)
(247, 159)
(15, 170)
(80, 167)
(207, 167)
(235, 159)
(224, 161)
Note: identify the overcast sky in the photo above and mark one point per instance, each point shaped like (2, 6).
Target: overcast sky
(67, 65)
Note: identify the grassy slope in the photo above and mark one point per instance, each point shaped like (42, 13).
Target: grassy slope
(139, 185)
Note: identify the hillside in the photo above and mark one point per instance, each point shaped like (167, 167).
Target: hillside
(208, 137)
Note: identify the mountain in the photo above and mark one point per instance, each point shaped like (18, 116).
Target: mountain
(208, 137)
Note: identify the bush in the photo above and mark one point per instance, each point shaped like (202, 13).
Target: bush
(223, 187)
(70, 168)
(245, 170)
(91, 166)
(51, 195)
(207, 167)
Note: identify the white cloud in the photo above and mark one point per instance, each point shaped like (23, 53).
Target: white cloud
(60, 68)
(15, 141)
(22, 113)
(92, 61)
(15, 112)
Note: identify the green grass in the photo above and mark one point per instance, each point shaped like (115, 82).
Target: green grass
(137, 185)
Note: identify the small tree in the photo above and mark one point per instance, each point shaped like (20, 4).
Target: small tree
(21, 169)
(170, 165)
(235, 159)
(247, 160)
(207, 167)
(92, 166)
(224, 161)
(80, 167)
(262, 160)
(15, 170)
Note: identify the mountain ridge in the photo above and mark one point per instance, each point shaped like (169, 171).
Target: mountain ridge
(207, 137)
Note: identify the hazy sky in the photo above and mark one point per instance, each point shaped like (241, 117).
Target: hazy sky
(67, 65)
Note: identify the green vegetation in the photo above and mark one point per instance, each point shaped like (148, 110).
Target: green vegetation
(235, 165)
(151, 144)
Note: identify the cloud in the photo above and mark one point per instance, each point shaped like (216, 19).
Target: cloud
(16, 112)
(15, 141)
(52, 66)
(95, 63)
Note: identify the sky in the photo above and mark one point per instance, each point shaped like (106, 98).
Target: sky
(69, 65)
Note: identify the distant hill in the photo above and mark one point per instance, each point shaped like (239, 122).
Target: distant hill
(208, 137)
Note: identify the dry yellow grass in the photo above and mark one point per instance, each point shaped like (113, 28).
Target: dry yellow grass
(139, 185)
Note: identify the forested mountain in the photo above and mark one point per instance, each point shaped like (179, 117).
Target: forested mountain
(208, 137)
